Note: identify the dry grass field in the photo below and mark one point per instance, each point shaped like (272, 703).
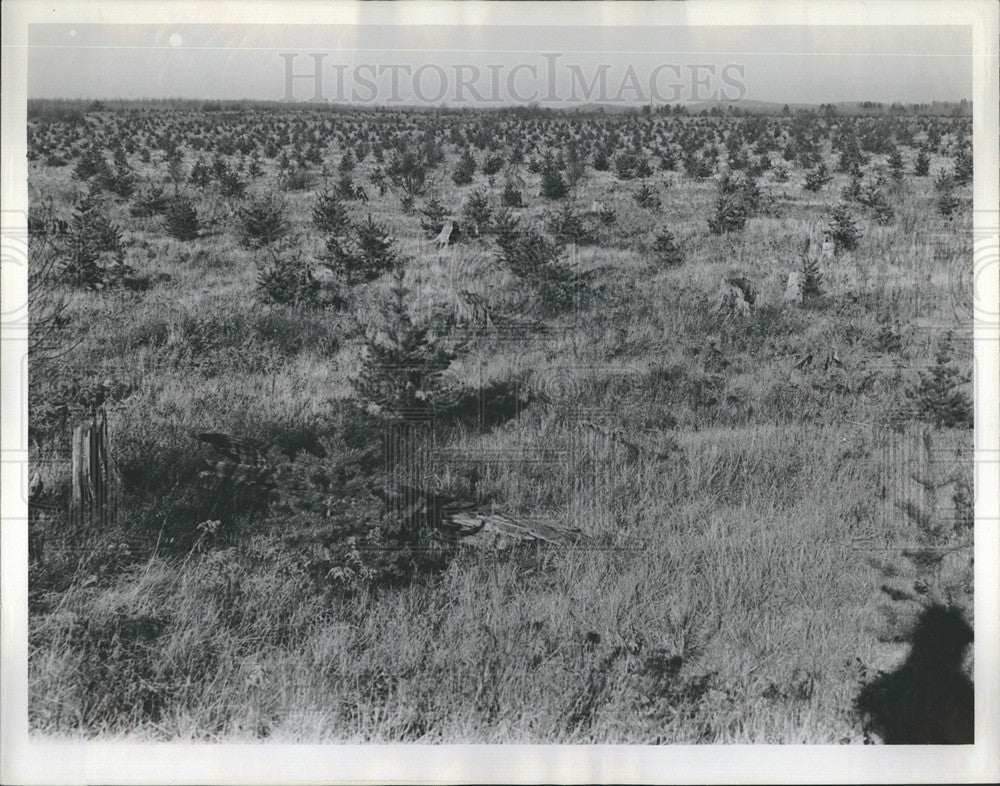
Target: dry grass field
(754, 490)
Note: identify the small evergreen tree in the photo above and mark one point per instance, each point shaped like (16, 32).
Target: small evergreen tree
(666, 249)
(434, 213)
(329, 214)
(261, 222)
(875, 202)
(963, 167)
(922, 164)
(402, 361)
(182, 219)
(465, 169)
(492, 165)
(812, 277)
(896, 164)
(947, 204)
(627, 165)
(477, 212)
(646, 198)
(345, 187)
(939, 397)
(287, 279)
(817, 178)
(553, 185)
(91, 235)
(511, 196)
(735, 203)
(567, 226)
(843, 229)
(375, 249)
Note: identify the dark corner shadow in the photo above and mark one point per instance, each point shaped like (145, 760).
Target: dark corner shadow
(928, 700)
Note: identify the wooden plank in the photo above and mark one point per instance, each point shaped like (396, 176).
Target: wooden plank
(76, 501)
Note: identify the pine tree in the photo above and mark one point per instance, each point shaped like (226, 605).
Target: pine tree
(477, 212)
(375, 249)
(645, 197)
(434, 215)
(843, 229)
(963, 167)
(402, 361)
(329, 215)
(553, 185)
(666, 249)
(287, 279)
(92, 234)
(261, 222)
(922, 164)
(896, 164)
(812, 278)
(939, 397)
(817, 178)
(465, 169)
(182, 219)
(511, 196)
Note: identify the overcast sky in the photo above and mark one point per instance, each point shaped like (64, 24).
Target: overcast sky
(470, 65)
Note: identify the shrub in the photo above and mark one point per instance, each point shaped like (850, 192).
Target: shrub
(182, 219)
(261, 222)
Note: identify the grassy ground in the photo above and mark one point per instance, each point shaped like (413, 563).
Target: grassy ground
(728, 589)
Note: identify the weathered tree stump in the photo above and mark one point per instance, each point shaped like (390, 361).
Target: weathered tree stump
(94, 479)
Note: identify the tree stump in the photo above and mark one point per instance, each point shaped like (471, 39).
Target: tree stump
(94, 477)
